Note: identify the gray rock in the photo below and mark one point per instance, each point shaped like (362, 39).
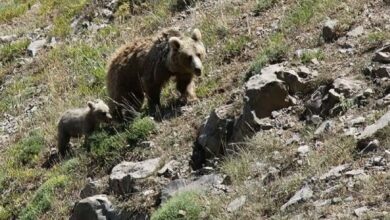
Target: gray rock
(356, 121)
(359, 212)
(348, 87)
(382, 55)
(124, 175)
(35, 47)
(93, 187)
(266, 93)
(107, 13)
(356, 32)
(236, 204)
(169, 169)
(334, 173)
(325, 127)
(97, 207)
(292, 80)
(355, 173)
(383, 101)
(305, 72)
(204, 183)
(302, 195)
(369, 132)
(214, 132)
(329, 30)
(8, 38)
(382, 71)
(320, 203)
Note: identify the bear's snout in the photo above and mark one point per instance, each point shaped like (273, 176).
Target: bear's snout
(198, 71)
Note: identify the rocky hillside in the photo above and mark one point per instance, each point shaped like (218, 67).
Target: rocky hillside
(292, 120)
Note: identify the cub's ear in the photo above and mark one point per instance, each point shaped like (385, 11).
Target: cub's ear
(196, 35)
(174, 43)
(91, 105)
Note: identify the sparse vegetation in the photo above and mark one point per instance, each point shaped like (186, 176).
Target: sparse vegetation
(10, 9)
(309, 55)
(9, 52)
(185, 205)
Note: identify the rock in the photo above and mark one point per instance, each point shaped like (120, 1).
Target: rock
(365, 145)
(382, 55)
(356, 32)
(355, 173)
(293, 81)
(305, 72)
(356, 121)
(266, 93)
(320, 203)
(169, 169)
(302, 195)
(8, 38)
(96, 207)
(359, 212)
(370, 131)
(35, 47)
(147, 144)
(334, 173)
(329, 30)
(383, 101)
(303, 150)
(215, 131)
(124, 175)
(204, 183)
(347, 87)
(92, 188)
(382, 71)
(107, 13)
(323, 102)
(325, 127)
(379, 161)
(236, 204)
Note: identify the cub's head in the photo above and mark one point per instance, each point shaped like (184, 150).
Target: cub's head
(100, 110)
(187, 53)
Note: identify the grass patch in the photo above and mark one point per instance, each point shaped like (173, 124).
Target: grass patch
(10, 52)
(309, 55)
(234, 46)
(26, 151)
(14, 8)
(189, 202)
(274, 51)
(43, 198)
(63, 11)
(377, 37)
(212, 31)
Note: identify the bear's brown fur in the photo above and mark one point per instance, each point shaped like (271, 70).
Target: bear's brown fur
(81, 121)
(143, 67)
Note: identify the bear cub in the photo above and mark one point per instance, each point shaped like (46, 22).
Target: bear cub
(81, 122)
(141, 69)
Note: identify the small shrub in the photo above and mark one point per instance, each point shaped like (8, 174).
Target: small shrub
(140, 129)
(11, 51)
(43, 198)
(308, 55)
(189, 202)
(26, 152)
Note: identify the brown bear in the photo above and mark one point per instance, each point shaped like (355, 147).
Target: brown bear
(144, 66)
(81, 121)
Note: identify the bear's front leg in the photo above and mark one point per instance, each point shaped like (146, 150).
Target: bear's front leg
(154, 102)
(186, 87)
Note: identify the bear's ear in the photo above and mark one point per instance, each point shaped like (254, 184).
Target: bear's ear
(175, 43)
(196, 35)
(91, 105)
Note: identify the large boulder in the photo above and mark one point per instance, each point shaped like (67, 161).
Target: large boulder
(124, 175)
(367, 136)
(96, 207)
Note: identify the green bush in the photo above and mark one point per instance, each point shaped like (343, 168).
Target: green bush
(27, 150)
(189, 202)
(43, 198)
(140, 129)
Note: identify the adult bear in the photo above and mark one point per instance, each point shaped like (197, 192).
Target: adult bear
(143, 67)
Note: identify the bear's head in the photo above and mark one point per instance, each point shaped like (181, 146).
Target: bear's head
(187, 53)
(100, 111)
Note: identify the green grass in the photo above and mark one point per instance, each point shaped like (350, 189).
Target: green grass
(377, 37)
(234, 46)
(189, 202)
(212, 31)
(13, 8)
(63, 12)
(275, 50)
(9, 52)
(308, 55)
(43, 198)
(27, 151)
